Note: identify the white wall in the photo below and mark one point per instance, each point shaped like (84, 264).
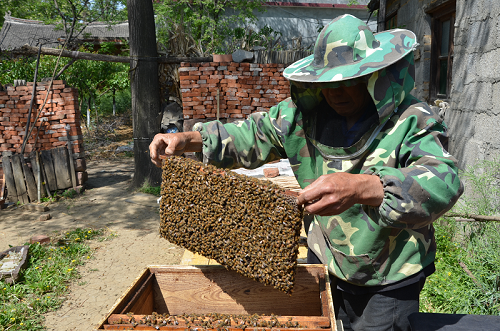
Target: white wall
(295, 21)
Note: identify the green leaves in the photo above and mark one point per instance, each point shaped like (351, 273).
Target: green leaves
(210, 22)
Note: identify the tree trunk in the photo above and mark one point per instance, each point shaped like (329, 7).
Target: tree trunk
(145, 89)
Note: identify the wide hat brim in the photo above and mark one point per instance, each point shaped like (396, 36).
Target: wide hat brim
(394, 45)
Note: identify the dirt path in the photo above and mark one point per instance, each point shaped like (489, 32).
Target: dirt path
(107, 203)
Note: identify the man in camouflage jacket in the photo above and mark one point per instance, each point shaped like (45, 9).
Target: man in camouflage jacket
(370, 158)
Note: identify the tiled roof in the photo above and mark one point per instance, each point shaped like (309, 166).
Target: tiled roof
(17, 32)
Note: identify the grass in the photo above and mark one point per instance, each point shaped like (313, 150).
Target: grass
(44, 283)
(148, 189)
(467, 277)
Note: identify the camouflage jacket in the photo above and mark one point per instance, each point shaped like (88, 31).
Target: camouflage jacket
(364, 245)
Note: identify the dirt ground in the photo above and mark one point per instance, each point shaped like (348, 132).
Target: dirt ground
(131, 217)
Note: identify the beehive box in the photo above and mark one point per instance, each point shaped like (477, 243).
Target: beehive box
(202, 292)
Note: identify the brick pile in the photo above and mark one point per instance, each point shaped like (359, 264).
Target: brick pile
(244, 88)
(61, 109)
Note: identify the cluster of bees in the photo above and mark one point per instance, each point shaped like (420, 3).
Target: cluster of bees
(211, 321)
(245, 224)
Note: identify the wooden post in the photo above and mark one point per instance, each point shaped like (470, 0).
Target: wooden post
(17, 170)
(381, 16)
(71, 161)
(9, 177)
(29, 179)
(48, 170)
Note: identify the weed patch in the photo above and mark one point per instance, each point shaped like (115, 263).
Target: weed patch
(467, 277)
(44, 283)
(148, 189)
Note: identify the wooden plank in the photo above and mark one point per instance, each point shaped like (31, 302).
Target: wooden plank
(336, 324)
(30, 181)
(2, 188)
(36, 172)
(17, 170)
(61, 167)
(214, 289)
(142, 301)
(9, 178)
(126, 297)
(71, 160)
(174, 328)
(48, 168)
(311, 322)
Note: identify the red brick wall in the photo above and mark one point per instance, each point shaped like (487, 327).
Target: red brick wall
(61, 109)
(244, 88)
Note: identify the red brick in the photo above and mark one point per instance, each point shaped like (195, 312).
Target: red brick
(190, 104)
(26, 97)
(271, 172)
(58, 143)
(42, 239)
(268, 104)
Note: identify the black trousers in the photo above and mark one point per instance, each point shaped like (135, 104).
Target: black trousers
(380, 311)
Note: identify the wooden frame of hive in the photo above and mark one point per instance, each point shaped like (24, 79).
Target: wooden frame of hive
(243, 223)
(178, 290)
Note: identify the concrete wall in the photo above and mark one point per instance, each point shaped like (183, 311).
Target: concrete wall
(474, 117)
(475, 95)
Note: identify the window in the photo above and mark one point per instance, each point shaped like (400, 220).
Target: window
(442, 25)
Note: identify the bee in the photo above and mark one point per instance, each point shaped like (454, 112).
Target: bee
(242, 223)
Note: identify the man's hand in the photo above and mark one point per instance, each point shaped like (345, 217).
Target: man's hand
(334, 193)
(171, 144)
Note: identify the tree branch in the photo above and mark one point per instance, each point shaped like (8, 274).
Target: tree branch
(472, 217)
(64, 68)
(29, 50)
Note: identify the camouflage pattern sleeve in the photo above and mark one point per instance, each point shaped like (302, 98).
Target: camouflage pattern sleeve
(247, 143)
(426, 185)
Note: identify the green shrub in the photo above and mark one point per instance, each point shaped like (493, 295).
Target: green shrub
(467, 277)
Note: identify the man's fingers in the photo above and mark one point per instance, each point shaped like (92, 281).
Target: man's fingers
(308, 195)
(317, 207)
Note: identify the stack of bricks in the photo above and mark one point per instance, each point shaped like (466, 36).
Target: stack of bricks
(243, 88)
(60, 115)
